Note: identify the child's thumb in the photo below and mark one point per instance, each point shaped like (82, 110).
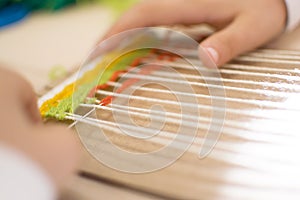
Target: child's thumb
(235, 39)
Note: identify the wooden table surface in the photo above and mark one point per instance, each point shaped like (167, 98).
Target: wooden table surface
(44, 40)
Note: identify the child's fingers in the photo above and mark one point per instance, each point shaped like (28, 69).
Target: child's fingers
(166, 12)
(27, 99)
(19, 96)
(245, 24)
(238, 38)
(54, 148)
(57, 150)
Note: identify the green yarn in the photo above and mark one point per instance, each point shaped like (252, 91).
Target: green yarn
(48, 4)
(57, 72)
(70, 103)
(38, 4)
(117, 5)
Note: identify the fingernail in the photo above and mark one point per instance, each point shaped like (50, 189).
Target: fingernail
(214, 55)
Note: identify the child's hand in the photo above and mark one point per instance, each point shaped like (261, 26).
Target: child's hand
(242, 25)
(52, 147)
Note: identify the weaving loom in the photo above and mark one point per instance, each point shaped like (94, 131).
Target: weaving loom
(235, 129)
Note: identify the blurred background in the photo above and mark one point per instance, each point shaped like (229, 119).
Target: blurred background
(47, 40)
